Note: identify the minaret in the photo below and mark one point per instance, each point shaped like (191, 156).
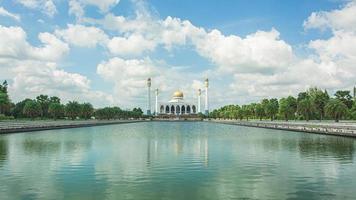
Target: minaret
(149, 96)
(156, 107)
(206, 97)
(199, 100)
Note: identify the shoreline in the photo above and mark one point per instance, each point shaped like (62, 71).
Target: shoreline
(323, 128)
(7, 127)
(344, 129)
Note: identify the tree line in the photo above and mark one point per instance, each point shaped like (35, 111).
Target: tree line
(46, 107)
(313, 104)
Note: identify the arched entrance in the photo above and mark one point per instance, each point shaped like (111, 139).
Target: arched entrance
(167, 109)
(183, 110)
(161, 109)
(188, 109)
(194, 109)
(178, 110)
(172, 109)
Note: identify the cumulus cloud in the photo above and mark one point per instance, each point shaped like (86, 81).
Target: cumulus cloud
(14, 44)
(132, 45)
(76, 7)
(4, 12)
(82, 36)
(35, 77)
(34, 69)
(130, 75)
(46, 6)
(259, 52)
(339, 19)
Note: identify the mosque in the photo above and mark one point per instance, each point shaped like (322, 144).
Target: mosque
(177, 106)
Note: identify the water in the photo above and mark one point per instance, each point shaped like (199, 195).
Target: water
(179, 160)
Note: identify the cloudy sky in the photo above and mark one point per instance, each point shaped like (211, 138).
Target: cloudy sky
(103, 51)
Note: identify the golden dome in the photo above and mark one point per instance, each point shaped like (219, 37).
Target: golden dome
(178, 94)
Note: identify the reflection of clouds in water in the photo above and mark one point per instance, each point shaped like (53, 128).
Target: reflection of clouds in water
(164, 160)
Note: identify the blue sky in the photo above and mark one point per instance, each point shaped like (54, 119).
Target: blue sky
(102, 51)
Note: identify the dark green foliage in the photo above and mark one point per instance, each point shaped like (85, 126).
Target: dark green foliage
(32, 109)
(271, 108)
(345, 97)
(287, 107)
(86, 111)
(336, 109)
(5, 103)
(72, 110)
(116, 113)
(56, 110)
(305, 108)
(17, 111)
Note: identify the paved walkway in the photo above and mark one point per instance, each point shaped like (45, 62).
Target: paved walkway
(345, 128)
(13, 126)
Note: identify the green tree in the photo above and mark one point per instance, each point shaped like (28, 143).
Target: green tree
(86, 110)
(44, 101)
(259, 111)
(302, 96)
(336, 109)
(272, 108)
(319, 99)
(72, 109)
(3, 87)
(32, 109)
(287, 107)
(345, 97)
(17, 111)
(56, 110)
(305, 108)
(5, 103)
(54, 99)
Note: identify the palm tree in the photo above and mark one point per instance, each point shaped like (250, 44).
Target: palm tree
(72, 109)
(305, 108)
(56, 110)
(32, 109)
(86, 110)
(336, 109)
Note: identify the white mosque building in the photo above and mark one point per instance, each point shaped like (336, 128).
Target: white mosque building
(177, 106)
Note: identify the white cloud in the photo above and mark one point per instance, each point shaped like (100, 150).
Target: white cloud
(14, 45)
(35, 77)
(103, 5)
(257, 52)
(339, 19)
(129, 77)
(82, 36)
(76, 7)
(4, 12)
(133, 45)
(46, 6)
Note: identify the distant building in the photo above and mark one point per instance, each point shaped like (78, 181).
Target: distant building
(177, 106)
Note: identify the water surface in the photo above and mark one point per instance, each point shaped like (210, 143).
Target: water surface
(176, 160)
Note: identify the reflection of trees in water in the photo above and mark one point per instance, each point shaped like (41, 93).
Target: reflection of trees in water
(73, 145)
(3, 150)
(40, 147)
(338, 147)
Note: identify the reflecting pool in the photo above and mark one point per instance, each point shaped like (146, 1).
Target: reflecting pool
(176, 160)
